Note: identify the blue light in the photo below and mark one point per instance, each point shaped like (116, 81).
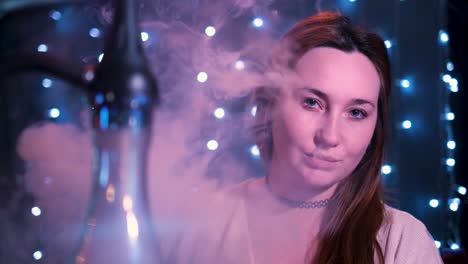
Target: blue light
(443, 37)
(55, 15)
(386, 169)
(352, 0)
(46, 83)
(388, 44)
(36, 211)
(449, 66)
(434, 203)
(446, 78)
(461, 190)
(406, 124)
(144, 36)
(54, 113)
(450, 116)
(454, 246)
(451, 144)
(37, 255)
(454, 89)
(450, 162)
(405, 83)
(437, 243)
(99, 98)
(104, 118)
(101, 56)
(453, 82)
(94, 33)
(453, 204)
(42, 48)
(104, 170)
(257, 22)
(255, 151)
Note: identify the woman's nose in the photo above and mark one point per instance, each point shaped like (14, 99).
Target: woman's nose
(327, 134)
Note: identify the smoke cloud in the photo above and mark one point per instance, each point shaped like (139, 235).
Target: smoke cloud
(59, 157)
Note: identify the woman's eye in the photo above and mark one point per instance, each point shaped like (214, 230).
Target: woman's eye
(311, 103)
(358, 114)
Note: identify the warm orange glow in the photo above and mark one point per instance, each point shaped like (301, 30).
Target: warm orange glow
(110, 193)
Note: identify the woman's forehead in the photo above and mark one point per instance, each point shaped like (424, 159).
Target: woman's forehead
(338, 73)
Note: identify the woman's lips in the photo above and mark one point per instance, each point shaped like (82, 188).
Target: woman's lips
(319, 161)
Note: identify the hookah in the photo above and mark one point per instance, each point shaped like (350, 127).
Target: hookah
(123, 94)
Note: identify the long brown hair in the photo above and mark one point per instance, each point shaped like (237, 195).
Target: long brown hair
(356, 211)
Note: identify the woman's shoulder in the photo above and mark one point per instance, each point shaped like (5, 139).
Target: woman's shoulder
(405, 239)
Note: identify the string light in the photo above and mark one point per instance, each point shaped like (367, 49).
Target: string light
(36, 211)
(461, 190)
(144, 36)
(443, 37)
(388, 43)
(54, 113)
(239, 65)
(255, 151)
(437, 243)
(453, 82)
(434, 203)
(450, 116)
(37, 255)
(450, 162)
(406, 124)
(257, 22)
(89, 75)
(46, 83)
(454, 89)
(94, 33)
(202, 77)
(449, 66)
(55, 15)
(386, 169)
(405, 83)
(253, 111)
(212, 144)
(453, 204)
(451, 144)
(42, 48)
(219, 113)
(454, 246)
(210, 31)
(446, 78)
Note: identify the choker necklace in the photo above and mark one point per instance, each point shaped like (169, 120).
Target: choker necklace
(304, 204)
(298, 204)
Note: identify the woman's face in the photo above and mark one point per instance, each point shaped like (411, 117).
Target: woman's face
(322, 127)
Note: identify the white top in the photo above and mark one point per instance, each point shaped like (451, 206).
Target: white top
(188, 234)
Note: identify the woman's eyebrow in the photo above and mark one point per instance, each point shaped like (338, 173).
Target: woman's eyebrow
(324, 96)
(361, 102)
(317, 92)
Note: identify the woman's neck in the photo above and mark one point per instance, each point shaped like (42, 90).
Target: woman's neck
(289, 185)
(265, 200)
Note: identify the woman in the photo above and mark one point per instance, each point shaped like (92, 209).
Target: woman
(321, 134)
